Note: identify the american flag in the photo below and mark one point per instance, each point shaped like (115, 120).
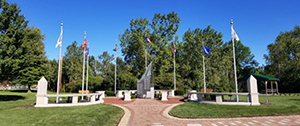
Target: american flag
(148, 40)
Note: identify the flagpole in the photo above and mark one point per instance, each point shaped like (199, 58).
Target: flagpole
(174, 63)
(82, 88)
(234, 63)
(204, 83)
(87, 72)
(59, 67)
(116, 70)
(145, 54)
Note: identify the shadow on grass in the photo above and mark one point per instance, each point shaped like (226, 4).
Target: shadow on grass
(22, 91)
(11, 97)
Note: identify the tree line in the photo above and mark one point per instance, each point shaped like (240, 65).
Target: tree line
(23, 60)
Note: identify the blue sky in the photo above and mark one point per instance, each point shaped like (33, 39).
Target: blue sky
(257, 22)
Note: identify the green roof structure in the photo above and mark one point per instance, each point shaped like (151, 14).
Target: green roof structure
(260, 78)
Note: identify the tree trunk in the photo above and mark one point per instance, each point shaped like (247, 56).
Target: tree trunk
(28, 90)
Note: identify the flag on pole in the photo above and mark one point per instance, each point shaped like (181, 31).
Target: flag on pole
(206, 50)
(234, 35)
(84, 44)
(87, 51)
(59, 41)
(116, 48)
(174, 45)
(148, 40)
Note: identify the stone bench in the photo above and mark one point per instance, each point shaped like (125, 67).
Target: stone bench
(120, 93)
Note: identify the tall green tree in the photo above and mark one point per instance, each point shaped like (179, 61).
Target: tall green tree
(133, 45)
(125, 79)
(191, 67)
(51, 74)
(12, 32)
(283, 60)
(106, 70)
(33, 60)
(72, 67)
(164, 28)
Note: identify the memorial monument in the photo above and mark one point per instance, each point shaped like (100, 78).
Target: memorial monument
(145, 89)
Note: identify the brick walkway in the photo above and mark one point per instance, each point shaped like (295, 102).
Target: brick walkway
(148, 112)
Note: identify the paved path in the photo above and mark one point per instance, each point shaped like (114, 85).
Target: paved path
(147, 112)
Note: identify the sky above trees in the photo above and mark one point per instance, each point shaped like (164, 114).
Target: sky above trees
(257, 23)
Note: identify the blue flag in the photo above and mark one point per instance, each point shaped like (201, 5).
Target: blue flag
(206, 50)
(87, 51)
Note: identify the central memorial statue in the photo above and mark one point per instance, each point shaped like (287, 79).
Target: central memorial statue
(145, 89)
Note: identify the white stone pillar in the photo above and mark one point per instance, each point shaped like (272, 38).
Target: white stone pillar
(193, 97)
(41, 97)
(120, 94)
(272, 87)
(74, 99)
(266, 85)
(93, 98)
(171, 93)
(252, 89)
(219, 99)
(164, 95)
(127, 96)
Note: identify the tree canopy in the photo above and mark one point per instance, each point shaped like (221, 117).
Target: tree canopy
(23, 60)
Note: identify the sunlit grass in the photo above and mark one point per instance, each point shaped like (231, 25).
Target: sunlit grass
(18, 110)
(280, 105)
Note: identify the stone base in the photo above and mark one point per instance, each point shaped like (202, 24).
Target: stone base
(127, 96)
(164, 95)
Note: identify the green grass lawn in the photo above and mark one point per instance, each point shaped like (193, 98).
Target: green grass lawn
(280, 105)
(16, 109)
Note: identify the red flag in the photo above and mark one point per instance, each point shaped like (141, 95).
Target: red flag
(84, 44)
(174, 49)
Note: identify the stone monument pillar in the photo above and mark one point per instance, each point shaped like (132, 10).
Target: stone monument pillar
(41, 98)
(252, 89)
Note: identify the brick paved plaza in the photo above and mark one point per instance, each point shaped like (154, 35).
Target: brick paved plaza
(149, 112)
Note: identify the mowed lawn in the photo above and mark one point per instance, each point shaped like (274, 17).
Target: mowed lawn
(280, 105)
(16, 109)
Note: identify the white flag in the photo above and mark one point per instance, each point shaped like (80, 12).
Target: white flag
(234, 35)
(60, 37)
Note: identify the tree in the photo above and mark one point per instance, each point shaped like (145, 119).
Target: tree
(72, 67)
(191, 67)
(164, 28)
(283, 60)
(105, 62)
(12, 32)
(33, 60)
(51, 74)
(125, 79)
(106, 70)
(133, 45)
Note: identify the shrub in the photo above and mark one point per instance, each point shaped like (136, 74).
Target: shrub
(179, 92)
(133, 96)
(157, 95)
(110, 93)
